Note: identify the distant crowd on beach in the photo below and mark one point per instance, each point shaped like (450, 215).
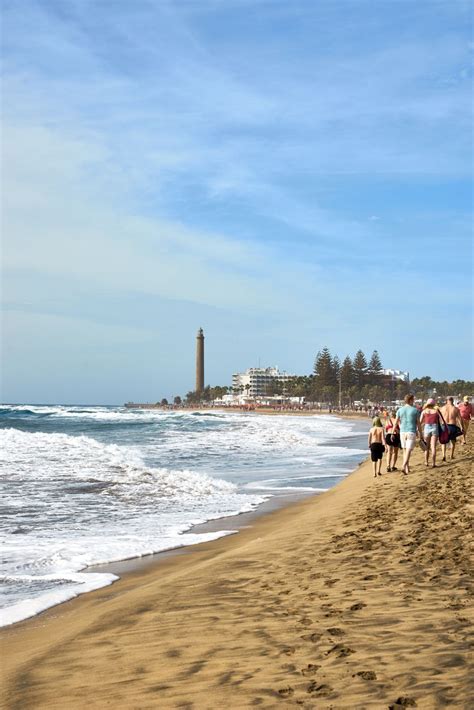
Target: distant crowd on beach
(430, 424)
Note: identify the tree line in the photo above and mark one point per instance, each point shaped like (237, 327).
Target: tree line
(361, 378)
(333, 382)
(208, 394)
(354, 379)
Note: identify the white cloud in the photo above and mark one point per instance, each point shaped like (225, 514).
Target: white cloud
(59, 219)
(128, 133)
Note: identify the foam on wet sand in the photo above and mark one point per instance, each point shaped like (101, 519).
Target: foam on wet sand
(360, 597)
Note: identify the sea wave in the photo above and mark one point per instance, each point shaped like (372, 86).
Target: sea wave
(86, 485)
(69, 457)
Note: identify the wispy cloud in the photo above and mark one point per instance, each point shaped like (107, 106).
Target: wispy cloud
(208, 152)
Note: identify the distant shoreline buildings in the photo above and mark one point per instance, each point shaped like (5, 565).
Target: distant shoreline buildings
(256, 381)
(400, 375)
(264, 385)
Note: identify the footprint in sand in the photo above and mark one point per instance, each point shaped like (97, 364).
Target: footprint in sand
(289, 650)
(286, 692)
(340, 650)
(310, 669)
(358, 606)
(332, 612)
(316, 688)
(335, 631)
(403, 702)
(365, 675)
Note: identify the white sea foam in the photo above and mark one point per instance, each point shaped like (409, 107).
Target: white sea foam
(91, 461)
(75, 585)
(70, 585)
(85, 485)
(93, 413)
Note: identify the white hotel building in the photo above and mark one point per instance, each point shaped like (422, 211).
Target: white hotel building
(400, 375)
(254, 381)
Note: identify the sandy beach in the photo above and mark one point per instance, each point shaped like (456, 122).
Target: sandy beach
(360, 597)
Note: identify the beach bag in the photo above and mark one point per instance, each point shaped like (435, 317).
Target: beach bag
(423, 445)
(443, 431)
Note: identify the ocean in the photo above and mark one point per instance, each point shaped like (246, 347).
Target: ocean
(88, 485)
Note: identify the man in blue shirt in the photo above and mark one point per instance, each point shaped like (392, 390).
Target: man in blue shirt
(408, 419)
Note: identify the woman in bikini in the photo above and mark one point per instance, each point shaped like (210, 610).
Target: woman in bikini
(429, 421)
(392, 439)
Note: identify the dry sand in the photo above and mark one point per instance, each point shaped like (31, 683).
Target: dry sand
(353, 599)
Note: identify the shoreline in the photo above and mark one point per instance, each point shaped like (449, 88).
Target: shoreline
(234, 524)
(227, 525)
(243, 409)
(353, 598)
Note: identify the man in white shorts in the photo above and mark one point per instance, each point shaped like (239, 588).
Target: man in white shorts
(408, 419)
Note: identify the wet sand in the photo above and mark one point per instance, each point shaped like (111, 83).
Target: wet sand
(233, 524)
(356, 598)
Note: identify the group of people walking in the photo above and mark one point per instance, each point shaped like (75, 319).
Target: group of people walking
(431, 423)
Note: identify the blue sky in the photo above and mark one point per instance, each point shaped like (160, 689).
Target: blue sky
(285, 175)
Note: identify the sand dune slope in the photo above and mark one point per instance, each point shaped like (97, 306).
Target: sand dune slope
(358, 598)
